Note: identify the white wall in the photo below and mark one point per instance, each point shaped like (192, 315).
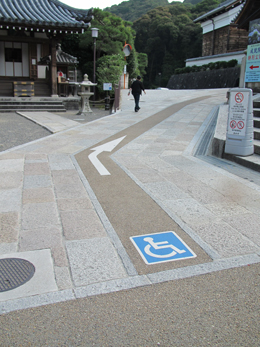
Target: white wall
(213, 58)
(221, 20)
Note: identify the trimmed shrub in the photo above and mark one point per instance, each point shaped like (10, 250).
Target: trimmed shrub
(211, 66)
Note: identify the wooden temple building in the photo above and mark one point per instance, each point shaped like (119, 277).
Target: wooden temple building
(250, 12)
(225, 31)
(220, 33)
(30, 54)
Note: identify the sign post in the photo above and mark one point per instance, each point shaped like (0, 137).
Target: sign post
(107, 87)
(240, 131)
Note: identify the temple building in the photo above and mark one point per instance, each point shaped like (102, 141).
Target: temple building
(222, 38)
(30, 54)
(220, 34)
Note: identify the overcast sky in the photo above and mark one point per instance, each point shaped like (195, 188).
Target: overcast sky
(83, 4)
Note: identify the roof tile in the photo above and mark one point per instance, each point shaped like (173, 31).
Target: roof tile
(50, 13)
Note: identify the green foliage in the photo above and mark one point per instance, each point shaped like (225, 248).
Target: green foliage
(232, 63)
(112, 35)
(210, 66)
(168, 36)
(134, 9)
(109, 70)
(70, 44)
(204, 6)
(193, 2)
(142, 63)
(161, 39)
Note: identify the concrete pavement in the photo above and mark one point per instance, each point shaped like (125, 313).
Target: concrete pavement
(51, 215)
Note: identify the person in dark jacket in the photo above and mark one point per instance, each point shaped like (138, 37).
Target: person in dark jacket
(136, 88)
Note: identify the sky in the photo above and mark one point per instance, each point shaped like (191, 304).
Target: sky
(83, 4)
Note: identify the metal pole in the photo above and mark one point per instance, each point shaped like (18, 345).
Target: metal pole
(94, 35)
(94, 73)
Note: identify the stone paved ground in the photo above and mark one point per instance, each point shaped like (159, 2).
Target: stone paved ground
(51, 216)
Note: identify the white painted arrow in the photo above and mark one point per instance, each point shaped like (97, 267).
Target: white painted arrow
(106, 147)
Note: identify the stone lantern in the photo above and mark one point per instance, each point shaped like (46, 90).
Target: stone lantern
(85, 94)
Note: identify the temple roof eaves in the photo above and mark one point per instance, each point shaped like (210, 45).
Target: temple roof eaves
(49, 13)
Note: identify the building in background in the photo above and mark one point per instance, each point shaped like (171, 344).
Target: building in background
(223, 38)
(30, 31)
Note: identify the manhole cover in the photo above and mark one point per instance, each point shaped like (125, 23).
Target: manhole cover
(14, 272)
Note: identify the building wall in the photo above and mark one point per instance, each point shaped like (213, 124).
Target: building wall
(238, 39)
(14, 68)
(220, 20)
(224, 40)
(213, 58)
(24, 64)
(221, 78)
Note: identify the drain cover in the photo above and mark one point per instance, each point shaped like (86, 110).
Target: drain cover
(14, 272)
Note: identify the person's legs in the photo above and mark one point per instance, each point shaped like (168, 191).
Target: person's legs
(137, 98)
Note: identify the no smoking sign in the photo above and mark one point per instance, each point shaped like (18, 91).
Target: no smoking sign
(239, 139)
(238, 110)
(239, 97)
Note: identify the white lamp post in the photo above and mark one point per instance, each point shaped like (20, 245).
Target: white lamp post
(94, 34)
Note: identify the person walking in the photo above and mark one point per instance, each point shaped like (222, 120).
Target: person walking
(136, 88)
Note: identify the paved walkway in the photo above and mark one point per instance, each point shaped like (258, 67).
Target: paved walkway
(50, 214)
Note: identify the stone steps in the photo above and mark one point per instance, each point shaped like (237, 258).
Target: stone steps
(218, 144)
(256, 122)
(257, 112)
(252, 161)
(257, 147)
(256, 134)
(31, 104)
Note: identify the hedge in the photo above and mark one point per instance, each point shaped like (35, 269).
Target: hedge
(211, 66)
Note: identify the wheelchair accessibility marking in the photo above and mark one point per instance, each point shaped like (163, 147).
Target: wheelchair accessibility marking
(161, 247)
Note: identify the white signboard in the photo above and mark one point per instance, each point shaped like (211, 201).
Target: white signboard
(253, 63)
(240, 129)
(107, 86)
(238, 110)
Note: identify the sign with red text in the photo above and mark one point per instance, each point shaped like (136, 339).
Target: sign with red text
(253, 63)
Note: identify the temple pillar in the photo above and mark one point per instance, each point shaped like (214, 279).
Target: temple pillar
(54, 84)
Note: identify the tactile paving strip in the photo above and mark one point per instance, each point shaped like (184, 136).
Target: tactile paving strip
(14, 272)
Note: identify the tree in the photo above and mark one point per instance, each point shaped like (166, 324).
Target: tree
(133, 9)
(169, 36)
(142, 63)
(205, 6)
(159, 35)
(112, 35)
(109, 70)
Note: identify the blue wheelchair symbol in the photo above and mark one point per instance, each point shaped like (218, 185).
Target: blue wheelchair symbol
(162, 247)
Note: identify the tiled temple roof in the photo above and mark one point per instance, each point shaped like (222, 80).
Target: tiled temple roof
(250, 12)
(222, 7)
(66, 58)
(62, 58)
(43, 13)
